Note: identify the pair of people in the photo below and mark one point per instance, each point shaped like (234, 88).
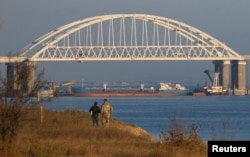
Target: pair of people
(105, 110)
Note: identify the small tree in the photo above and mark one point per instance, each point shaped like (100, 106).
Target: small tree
(15, 96)
(179, 134)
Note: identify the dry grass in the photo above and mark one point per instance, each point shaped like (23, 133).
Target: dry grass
(70, 133)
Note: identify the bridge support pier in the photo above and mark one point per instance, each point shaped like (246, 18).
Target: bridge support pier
(238, 76)
(223, 68)
(26, 81)
(11, 79)
(31, 76)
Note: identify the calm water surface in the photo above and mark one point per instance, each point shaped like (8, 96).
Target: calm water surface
(223, 116)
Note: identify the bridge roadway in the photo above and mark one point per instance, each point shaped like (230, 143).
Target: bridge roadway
(5, 59)
(246, 57)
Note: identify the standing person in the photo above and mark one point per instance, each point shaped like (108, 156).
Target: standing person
(95, 110)
(106, 111)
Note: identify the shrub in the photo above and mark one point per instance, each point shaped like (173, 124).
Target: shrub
(180, 135)
(15, 95)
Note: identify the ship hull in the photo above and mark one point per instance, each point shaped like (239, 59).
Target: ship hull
(199, 93)
(126, 92)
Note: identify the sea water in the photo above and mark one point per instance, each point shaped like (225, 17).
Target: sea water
(219, 117)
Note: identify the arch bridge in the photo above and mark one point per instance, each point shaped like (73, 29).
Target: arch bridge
(135, 37)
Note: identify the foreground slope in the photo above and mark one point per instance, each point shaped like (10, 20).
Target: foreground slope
(70, 133)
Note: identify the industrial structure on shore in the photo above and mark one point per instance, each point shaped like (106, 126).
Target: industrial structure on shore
(139, 37)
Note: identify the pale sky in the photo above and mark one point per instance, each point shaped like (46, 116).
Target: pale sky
(22, 21)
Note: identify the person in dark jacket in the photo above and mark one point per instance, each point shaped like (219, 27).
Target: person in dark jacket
(95, 110)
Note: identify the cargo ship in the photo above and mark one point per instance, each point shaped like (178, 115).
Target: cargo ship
(161, 90)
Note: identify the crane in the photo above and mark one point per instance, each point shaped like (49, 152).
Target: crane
(55, 85)
(209, 76)
(69, 85)
(216, 88)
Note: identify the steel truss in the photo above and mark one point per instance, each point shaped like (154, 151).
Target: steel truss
(127, 37)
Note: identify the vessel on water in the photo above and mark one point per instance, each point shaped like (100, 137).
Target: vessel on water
(45, 92)
(171, 89)
(214, 89)
(200, 91)
(161, 90)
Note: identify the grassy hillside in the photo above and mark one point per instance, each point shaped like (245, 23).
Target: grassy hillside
(70, 133)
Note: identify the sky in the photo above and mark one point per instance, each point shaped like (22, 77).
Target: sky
(22, 21)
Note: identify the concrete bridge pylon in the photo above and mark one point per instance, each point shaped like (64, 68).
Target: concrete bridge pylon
(238, 75)
(21, 76)
(222, 67)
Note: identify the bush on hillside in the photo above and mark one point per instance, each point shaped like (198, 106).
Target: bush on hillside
(16, 94)
(181, 135)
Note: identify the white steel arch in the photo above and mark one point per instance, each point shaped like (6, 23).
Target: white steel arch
(127, 37)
